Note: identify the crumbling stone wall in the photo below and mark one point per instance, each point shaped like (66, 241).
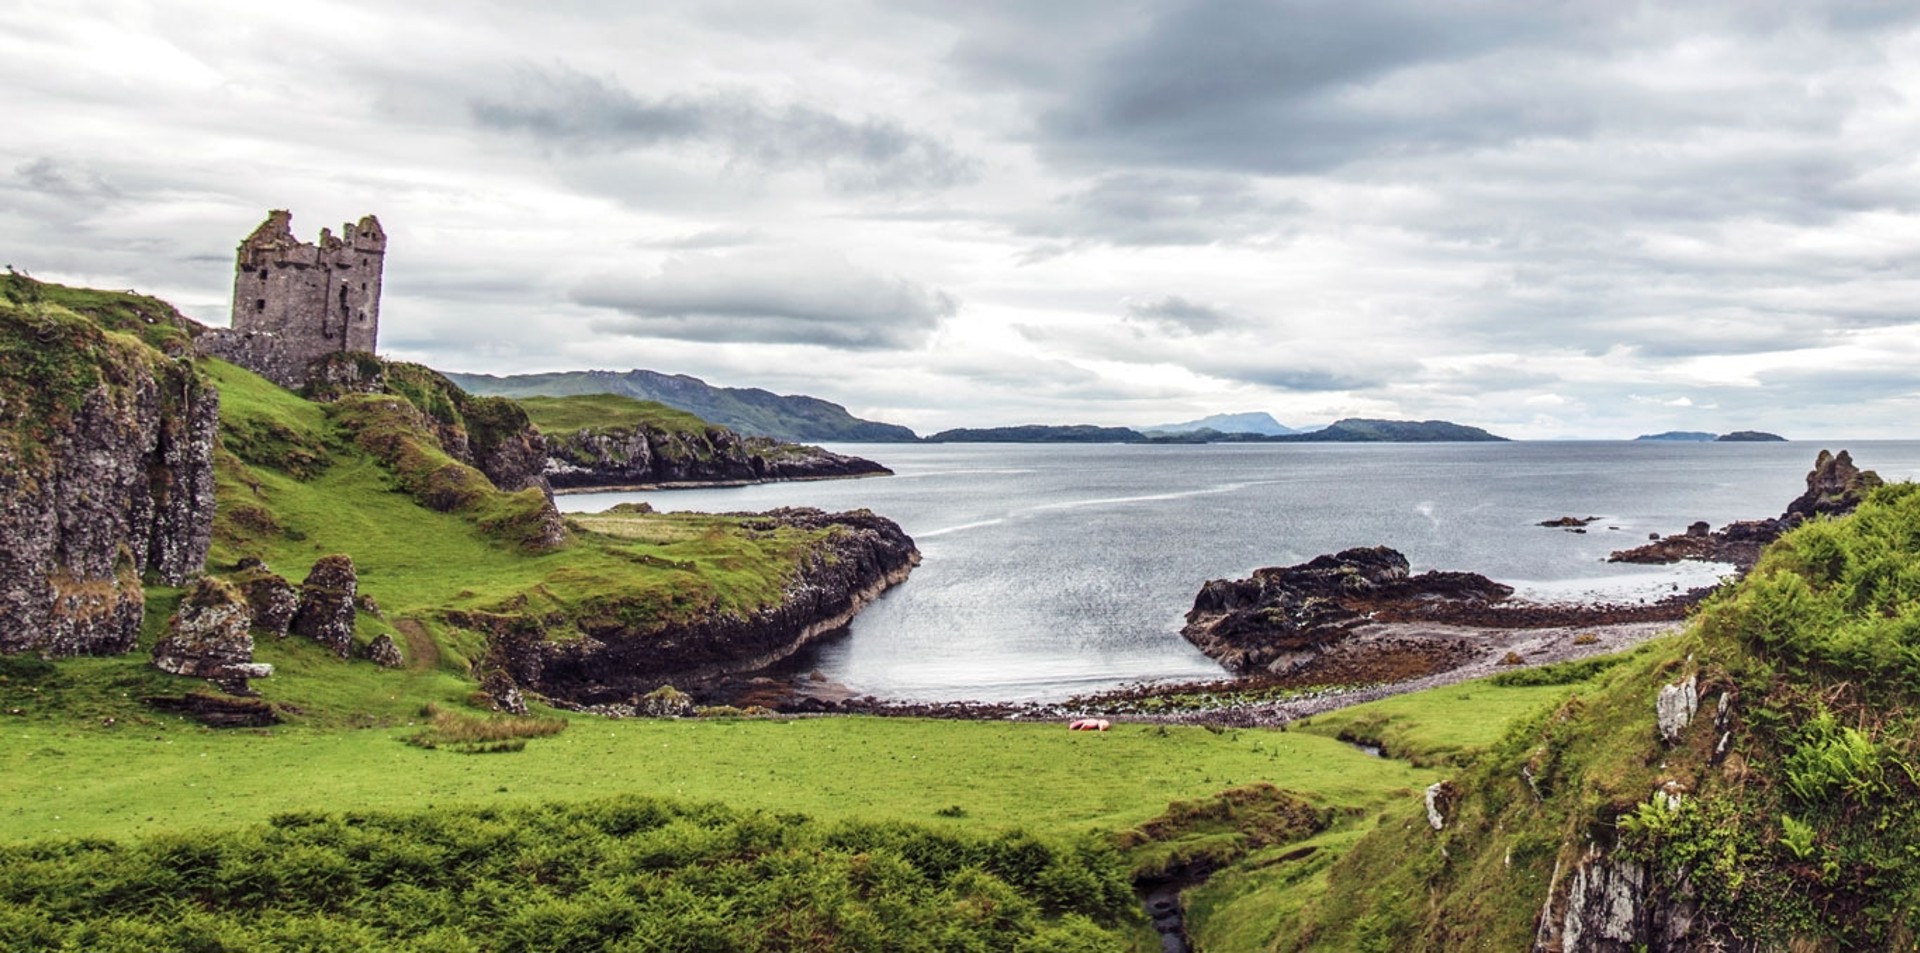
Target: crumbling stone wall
(295, 302)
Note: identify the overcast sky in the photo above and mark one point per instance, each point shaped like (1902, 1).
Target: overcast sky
(1547, 219)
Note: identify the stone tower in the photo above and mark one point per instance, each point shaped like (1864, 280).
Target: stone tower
(327, 295)
(294, 303)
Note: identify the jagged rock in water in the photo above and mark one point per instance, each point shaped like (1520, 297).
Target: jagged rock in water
(1835, 487)
(210, 636)
(384, 652)
(665, 702)
(272, 599)
(326, 604)
(1674, 709)
(1282, 617)
(106, 474)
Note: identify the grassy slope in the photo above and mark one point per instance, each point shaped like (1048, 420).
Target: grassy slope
(558, 414)
(415, 562)
(1806, 835)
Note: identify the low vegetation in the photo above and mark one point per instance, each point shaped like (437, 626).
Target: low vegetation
(628, 874)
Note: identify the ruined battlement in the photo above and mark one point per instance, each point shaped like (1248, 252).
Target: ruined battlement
(295, 302)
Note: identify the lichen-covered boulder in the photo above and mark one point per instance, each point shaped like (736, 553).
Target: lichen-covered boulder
(326, 604)
(503, 693)
(1674, 708)
(666, 702)
(384, 653)
(209, 636)
(271, 598)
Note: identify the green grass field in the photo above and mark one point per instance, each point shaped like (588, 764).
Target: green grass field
(598, 411)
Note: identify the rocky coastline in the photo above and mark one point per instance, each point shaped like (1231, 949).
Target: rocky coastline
(1835, 486)
(642, 457)
(614, 664)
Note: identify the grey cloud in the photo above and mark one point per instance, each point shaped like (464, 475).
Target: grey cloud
(589, 114)
(57, 179)
(1177, 315)
(771, 298)
(1155, 208)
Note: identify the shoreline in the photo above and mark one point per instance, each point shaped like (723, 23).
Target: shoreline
(709, 484)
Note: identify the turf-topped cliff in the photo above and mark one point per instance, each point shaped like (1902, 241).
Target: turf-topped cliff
(753, 411)
(631, 598)
(605, 440)
(1751, 785)
(429, 504)
(106, 464)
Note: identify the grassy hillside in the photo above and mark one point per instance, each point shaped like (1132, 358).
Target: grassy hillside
(1802, 833)
(594, 411)
(299, 480)
(796, 418)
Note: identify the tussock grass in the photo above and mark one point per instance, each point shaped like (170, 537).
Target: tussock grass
(481, 734)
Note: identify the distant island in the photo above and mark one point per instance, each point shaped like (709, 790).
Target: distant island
(1680, 436)
(796, 418)
(1701, 436)
(1039, 433)
(1349, 430)
(1366, 430)
(1254, 422)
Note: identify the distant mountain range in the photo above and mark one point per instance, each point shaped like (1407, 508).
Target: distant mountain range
(1700, 436)
(1252, 422)
(749, 410)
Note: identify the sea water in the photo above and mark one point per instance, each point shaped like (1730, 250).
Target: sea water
(1056, 569)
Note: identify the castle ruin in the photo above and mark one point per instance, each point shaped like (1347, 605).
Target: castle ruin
(295, 302)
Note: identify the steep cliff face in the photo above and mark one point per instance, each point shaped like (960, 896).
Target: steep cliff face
(619, 654)
(106, 475)
(650, 456)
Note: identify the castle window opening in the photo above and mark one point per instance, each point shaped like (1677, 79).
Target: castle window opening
(259, 304)
(343, 301)
(263, 274)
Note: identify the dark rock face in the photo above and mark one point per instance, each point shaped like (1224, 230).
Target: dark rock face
(120, 487)
(616, 663)
(1284, 617)
(1834, 488)
(272, 600)
(384, 653)
(210, 637)
(649, 456)
(326, 604)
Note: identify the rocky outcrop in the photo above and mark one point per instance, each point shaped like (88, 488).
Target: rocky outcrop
(644, 456)
(326, 607)
(106, 474)
(272, 600)
(384, 653)
(610, 661)
(1834, 488)
(1675, 707)
(210, 636)
(1615, 905)
(1281, 618)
